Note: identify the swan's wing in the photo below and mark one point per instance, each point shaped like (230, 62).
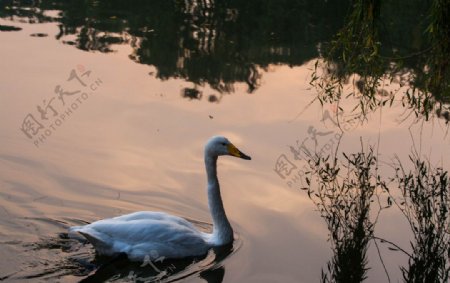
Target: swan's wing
(143, 237)
(152, 215)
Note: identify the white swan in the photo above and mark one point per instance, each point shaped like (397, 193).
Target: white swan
(146, 233)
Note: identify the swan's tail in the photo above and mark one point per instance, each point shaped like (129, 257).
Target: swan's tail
(94, 237)
(74, 234)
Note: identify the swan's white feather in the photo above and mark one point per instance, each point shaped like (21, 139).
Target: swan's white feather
(145, 233)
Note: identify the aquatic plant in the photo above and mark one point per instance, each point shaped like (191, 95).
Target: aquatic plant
(344, 202)
(425, 203)
(346, 193)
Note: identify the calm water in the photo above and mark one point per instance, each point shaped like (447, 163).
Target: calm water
(121, 128)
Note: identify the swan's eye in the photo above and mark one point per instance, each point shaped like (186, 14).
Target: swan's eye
(224, 144)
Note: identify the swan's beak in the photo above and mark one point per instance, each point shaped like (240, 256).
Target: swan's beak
(232, 150)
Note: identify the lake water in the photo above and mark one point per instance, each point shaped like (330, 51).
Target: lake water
(120, 134)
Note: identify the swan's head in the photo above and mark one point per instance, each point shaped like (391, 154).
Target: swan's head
(219, 145)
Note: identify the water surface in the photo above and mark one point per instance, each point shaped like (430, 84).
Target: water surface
(134, 141)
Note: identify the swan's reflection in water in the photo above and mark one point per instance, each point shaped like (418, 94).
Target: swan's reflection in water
(120, 268)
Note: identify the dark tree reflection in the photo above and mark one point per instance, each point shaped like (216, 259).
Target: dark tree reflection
(219, 43)
(405, 42)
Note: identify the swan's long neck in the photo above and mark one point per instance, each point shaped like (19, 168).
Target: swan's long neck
(222, 231)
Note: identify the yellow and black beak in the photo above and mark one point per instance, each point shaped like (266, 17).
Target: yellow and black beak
(232, 150)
